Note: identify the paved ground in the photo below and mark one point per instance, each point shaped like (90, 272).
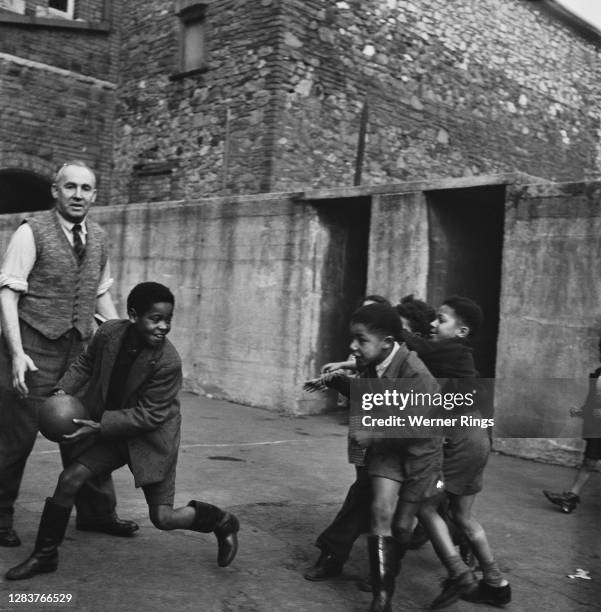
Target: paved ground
(285, 478)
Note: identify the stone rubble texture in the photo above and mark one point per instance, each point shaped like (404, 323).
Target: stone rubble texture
(453, 89)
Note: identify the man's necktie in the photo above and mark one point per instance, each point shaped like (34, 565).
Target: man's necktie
(78, 246)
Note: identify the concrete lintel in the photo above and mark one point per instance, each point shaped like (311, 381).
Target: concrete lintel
(84, 78)
(423, 185)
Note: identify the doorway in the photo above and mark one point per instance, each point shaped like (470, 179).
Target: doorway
(344, 272)
(23, 191)
(465, 246)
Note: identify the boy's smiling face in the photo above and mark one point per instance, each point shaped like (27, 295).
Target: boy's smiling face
(154, 324)
(368, 347)
(448, 325)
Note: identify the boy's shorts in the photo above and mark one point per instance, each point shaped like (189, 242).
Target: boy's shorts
(416, 463)
(466, 451)
(592, 450)
(107, 455)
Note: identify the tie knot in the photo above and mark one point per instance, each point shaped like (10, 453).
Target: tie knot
(76, 228)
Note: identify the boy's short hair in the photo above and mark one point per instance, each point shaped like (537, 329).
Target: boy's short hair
(468, 311)
(376, 299)
(144, 295)
(379, 318)
(418, 314)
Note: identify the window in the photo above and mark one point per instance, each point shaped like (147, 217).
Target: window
(61, 8)
(193, 52)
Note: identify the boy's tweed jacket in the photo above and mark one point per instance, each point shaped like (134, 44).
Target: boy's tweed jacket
(149, 416)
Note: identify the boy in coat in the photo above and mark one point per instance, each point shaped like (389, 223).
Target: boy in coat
(131, 375)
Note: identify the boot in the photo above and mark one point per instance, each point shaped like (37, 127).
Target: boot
(51, 532)
(384, 563)
(224, 525)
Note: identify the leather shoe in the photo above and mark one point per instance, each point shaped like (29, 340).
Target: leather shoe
(114, 527)
(327, 566)
(36, 564)
(227, 539)
(9, 537)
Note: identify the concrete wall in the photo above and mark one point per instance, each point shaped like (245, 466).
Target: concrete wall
(248, 279)
(550, 317)
(264, 284)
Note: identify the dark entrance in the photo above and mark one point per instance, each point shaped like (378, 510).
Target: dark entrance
(466, 242)
(23, 191)
(344, 271)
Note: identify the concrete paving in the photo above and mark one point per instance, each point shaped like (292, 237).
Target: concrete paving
(285, 478)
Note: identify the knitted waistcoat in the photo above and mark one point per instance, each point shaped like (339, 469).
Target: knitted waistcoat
(62, 291)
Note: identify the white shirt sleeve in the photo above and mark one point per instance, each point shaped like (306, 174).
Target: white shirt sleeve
(19, 259)
(106, 282)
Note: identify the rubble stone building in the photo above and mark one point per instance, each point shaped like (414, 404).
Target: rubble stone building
(179, 99)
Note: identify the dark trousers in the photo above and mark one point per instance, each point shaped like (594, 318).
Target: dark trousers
(351, 521)
(19, 425)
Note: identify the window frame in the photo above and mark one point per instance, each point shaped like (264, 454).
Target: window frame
(68, 14)
(190, 13)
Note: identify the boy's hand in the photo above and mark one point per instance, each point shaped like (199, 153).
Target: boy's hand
(87, 428)
(575, 412)
(362, 437)
(322, 383)
(330, 367)
(338, 365)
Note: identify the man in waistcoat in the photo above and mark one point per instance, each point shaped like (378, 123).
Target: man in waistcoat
(54, 278)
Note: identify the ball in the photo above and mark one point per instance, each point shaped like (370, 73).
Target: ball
(57, 414)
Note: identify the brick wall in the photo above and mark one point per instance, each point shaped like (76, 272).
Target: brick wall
(174, 131)
(57, 91)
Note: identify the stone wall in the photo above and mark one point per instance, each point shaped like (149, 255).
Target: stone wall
(454, 89)
(57, 89)
(205, 133)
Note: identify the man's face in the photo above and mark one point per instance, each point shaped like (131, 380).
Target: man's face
(155, 324)
(367, 347)
(447, 325)
(74, 192)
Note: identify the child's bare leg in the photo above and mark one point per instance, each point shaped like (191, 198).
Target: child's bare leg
(437, 529)
(441, 539)
(167, 517)
(196, 516)
(404, 522)
(583, 475)
(384, 550)
(385, 499)
(461, 512)
(72, 478)
(53, 524)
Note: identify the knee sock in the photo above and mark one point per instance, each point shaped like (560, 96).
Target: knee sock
(455, 565)
(492, 574)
